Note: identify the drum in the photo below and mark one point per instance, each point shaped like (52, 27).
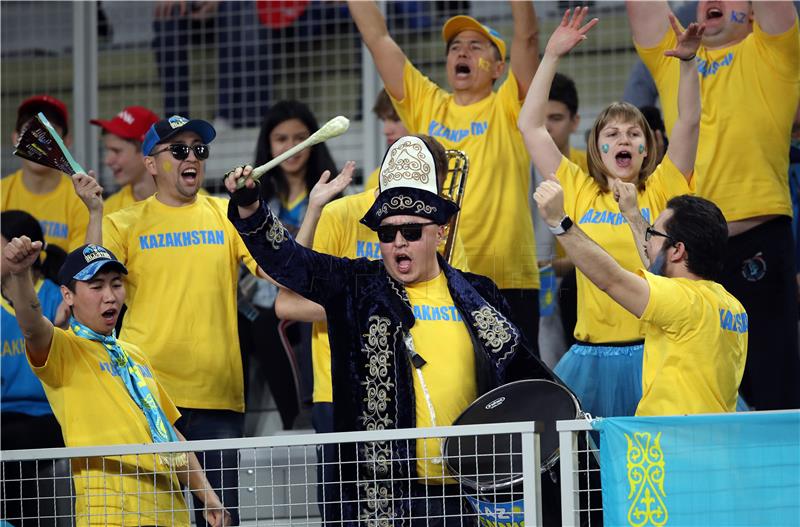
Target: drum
(491, 465)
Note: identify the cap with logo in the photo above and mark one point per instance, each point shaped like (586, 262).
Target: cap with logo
(132, 122)
(460, 23)
(166, 128)
(407, 185)
(86, 261)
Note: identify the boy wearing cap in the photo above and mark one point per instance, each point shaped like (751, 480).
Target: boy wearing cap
(45, 193)
(76, 366)
(387, 321)
(187, 327)
(495, 222)
(122, 143)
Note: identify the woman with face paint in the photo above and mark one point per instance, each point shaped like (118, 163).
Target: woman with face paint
(626, 190)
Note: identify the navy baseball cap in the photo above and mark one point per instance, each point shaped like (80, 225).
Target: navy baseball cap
(166, 128)
(86, 261)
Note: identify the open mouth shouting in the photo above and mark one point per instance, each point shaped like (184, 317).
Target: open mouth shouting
(623, 158)
(463, 70)
(189, 176)
(713, 13)
(403, 262)
(110, 316)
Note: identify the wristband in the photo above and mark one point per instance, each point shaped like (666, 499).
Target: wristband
(244, 197)
(690, 58)
(563, 226)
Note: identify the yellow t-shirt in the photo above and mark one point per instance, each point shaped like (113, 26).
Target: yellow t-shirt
(94, 408)
(61, 213)
(340, 233)
(749, 93)
(495, 218)
(119, 200)
(182, 273)
(695, 347)
(449, 371)
(600, 319)
(372, 180)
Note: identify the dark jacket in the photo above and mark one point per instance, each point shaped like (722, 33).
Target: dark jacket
(369, 323)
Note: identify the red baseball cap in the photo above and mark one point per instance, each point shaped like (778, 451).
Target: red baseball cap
(131, 123)
(45, 100)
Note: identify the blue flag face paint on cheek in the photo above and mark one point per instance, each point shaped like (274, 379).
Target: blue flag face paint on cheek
(641, 149)
(604, 148)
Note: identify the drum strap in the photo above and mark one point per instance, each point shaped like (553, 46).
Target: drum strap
(409, 342)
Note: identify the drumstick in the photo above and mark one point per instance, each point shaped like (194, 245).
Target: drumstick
(333, 128)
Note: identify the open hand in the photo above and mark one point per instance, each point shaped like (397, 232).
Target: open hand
(19, 254)
(569, 32)
(688, 40)
(549, 197)
(89, 190)
(324, 191)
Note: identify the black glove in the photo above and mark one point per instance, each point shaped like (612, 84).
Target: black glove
(244, 197)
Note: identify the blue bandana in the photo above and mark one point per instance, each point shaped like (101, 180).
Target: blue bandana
(161, 430)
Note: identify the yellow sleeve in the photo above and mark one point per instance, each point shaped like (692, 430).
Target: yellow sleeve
(78, 222)
(113, 239)
(328, 236)
(779, 54)
(671, 306)
(667, 181)
(570, 176)
(421, 94)
(372, 180)
(54, 370)
(508, 97)
(654, 57)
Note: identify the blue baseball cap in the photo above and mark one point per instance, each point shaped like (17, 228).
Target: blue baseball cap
(166, 128)
(86, 261)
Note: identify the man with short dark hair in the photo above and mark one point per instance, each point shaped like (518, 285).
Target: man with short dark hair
(696, 332)
(122, 142)
(46, 193)
(387, 322)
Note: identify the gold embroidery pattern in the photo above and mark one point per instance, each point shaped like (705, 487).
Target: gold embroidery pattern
(276, 234)
(493, 329)
(406, 161)
(646, 480)
(405, 203)
(376, 455)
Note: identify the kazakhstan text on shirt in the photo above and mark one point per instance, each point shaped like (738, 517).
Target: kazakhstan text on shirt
(13, 347)
(437, 129)
(705, 68)
(731, 322)
(144, 370)
(446, 313)
(368, 250)
(605, 216)
(54, 229)
(181, 239)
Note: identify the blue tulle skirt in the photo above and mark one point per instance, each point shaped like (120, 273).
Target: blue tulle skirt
(607, 378)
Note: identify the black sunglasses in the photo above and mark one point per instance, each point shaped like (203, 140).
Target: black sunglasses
(410, 231)
(650, 232)
(180, 151)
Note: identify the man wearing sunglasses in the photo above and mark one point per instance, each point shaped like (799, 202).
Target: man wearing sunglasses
(182, 256)
(695, 342)
(409, 331)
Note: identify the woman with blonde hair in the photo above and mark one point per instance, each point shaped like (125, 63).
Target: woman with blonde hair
(625, 190)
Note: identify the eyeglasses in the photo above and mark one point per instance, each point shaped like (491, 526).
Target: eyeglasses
(180, 151)
(650, 232)
(410, 231)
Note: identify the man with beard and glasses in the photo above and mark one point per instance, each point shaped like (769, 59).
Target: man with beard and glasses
(420, 337)
(695, 342)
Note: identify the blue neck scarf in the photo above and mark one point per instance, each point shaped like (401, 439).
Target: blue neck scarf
(122, 365)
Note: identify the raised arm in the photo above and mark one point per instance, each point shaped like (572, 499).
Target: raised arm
(649, 21)
(18, 256)
(774, 17)
(627, 289)
(524, 43)
(321, 194)
(387, 55)
(626, 196)
(91, 194)
(543, 150)
(686, 131)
